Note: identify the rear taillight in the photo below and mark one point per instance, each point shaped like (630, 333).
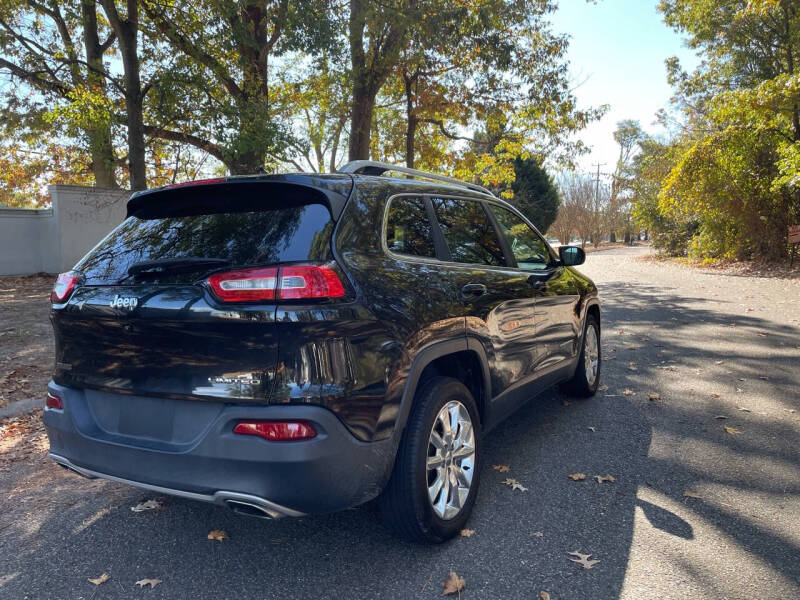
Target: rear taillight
(277, 431)
(53, 401)
(63, 287)
(289, 282)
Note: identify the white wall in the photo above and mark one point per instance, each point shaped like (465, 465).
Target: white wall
(53, 240)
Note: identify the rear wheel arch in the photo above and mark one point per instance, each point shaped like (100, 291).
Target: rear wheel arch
(458, 359)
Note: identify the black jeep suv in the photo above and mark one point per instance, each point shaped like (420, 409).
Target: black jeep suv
(294, 344)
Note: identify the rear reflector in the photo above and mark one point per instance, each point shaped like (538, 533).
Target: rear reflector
(63, 287)
(288, 282)
(277, 431)
(53, 401)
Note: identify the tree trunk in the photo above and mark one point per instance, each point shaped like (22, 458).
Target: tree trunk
(361, 122)
(411, 119)
(101, 147)
(127, 31)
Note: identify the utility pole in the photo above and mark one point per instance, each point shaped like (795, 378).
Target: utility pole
(597, 199)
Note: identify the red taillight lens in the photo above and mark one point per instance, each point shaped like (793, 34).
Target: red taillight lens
(277, 431)
(63, 287)
(250, 285)
(282, 283)
(309, 281)
(53, 401)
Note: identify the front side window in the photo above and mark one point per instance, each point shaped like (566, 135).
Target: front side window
(408, 230)
(468, 232)
(528, 248)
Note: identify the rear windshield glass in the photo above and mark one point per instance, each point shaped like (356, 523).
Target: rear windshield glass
(245, 238)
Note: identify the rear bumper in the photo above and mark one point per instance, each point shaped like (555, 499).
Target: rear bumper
(331, 472)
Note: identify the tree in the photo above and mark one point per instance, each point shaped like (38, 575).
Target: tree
(535, 194)
(126, 29)
(218, 97)
(377, 33)
(736, 174)
(628, 134)
(54, 54)
(581, 211)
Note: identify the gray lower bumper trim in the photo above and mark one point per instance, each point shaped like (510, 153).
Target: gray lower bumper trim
(222, 497)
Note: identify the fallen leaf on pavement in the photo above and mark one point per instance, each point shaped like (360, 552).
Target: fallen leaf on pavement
(714, 395)
(577, 476)
(654, 396)
(454, 585)
(744, 409)
(544, 595)
(592, 429)
(217, 534)
(566, 403)
(627, 392)
(606, 477)
(691, 494)
(146, 505)
(719, 362)
(731, 430)
(603, 388)
(467, 532)
(537, 534)
(100, 580)
(151, 582)
(582, 559)
(501, 468)
(515, 485)
(720, 417)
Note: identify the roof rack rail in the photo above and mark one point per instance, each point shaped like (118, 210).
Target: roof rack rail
(372, 167)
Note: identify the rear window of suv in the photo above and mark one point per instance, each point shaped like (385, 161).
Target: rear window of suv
(233, 232)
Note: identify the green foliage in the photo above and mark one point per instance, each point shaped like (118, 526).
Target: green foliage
(727, 185)
(535, 193)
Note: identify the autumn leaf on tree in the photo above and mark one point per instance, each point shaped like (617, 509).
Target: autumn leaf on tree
(145, 582)
(217, 534)
(577, 476)
(100, 580)
(453, 585)
(582, 559)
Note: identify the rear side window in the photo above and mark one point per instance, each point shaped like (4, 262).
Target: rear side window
(468, 232)
(529, 249)
(408, 230)
(243, 238)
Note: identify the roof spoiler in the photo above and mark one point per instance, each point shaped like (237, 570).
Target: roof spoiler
(260, 192)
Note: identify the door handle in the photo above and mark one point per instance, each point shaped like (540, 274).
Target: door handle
(473, 290)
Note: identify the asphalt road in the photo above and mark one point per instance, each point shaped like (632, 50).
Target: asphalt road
(709, 345)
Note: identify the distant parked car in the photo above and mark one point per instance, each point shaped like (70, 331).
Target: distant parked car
(295, 344)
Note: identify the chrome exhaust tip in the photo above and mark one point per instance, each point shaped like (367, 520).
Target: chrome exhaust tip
(251, 510)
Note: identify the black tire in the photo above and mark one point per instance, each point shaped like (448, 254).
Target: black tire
(578, 385)
(404, 506)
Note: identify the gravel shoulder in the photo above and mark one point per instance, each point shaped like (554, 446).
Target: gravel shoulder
(695, 511)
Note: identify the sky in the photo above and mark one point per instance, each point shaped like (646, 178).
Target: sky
(617, 50)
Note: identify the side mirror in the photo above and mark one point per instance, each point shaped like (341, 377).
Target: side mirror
(571, 256)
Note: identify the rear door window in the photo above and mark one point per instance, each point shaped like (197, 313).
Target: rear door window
(529, 249)
(468, 231)
(408, 229)
(243, 238)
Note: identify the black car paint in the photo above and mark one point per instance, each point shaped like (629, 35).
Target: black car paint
(360, 358)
